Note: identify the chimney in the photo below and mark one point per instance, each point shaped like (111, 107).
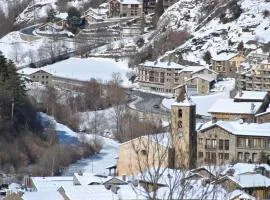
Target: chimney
(214, 120)
(252, 106)
(80, 173)
(124, 177)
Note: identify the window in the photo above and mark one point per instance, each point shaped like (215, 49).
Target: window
(179, 113)
(200, 154)
(226, 156)
(240, 142)
(220, 144)
(42, 82)
(214, 143)
(34, 76)
(247, 157)
(47, 82)
(220, 156)
(42, 76)
(227, 143)
(200, 140)
(144, 152)
(208, 144)
(208, 158)
(47, 76)
(240, 156)
(214, 157)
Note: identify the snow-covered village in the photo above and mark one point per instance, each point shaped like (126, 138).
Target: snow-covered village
(134, 99)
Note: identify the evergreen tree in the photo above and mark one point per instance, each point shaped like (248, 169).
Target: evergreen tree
(159, 10)
(240, 46)
(15, 108)
(207, 57)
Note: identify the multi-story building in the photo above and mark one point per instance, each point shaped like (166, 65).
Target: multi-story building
(125, 8)
(165, 76)
(246, 105)
(227, 64)
(36, 75)
(257, 78)
(168, 3)
(222, 142)
(149, 6)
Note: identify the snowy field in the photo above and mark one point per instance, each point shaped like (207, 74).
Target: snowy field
(87, 68)
(203, 103)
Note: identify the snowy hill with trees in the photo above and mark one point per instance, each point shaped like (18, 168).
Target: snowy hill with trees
(217, 26)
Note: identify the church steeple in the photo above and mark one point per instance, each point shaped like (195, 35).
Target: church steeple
(183, 127)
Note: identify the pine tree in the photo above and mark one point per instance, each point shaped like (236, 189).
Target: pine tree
(159, 10)
(207, 57)
(15, 108)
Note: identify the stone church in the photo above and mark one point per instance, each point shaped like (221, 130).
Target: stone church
(176, 149)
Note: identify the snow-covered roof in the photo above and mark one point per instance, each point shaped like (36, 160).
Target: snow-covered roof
(82, 192)
(265, 62)
(231, 107)
(241, 168)
(159, 138)
(51, 183)
(199, 68)
(130, 2)
(159, 64)
(42, 195)
(192, 69)
(29, 71)
(251, 180)
(187, 102)
(224, 56)
(251, 95)
(264, 113)
(238, 128)
(90, 178)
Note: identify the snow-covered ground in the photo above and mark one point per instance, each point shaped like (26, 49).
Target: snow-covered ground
(203, 103)
(94, 164)
(24, 49)
(213, 35)
(87, 68)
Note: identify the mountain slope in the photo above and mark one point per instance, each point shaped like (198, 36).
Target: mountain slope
(218, 27)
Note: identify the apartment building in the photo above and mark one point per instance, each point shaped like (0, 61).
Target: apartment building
(167, 76)
(227, 64)
(222, 142)
(257, 78)
(125, 8)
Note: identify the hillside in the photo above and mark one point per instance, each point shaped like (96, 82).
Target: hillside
(218, 26)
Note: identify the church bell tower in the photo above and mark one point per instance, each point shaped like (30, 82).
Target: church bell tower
(183, 129)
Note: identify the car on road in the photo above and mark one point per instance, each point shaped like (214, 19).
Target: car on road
(156, 106)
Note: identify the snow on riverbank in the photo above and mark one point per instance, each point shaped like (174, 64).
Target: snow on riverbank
(96, 163)
(203, 103)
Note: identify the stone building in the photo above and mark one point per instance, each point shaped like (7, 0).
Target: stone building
(175, 149)
(226, 141)
(149, 6)
(165, 76)
(257, 78)
(197, 85)
(125, 8)
(36, 75)
(226, 65)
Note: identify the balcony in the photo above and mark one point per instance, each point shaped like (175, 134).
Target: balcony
(210, 147)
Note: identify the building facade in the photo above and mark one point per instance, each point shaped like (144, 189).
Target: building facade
(226, 65)
(257, 79)
(165, 76)
(42, 77)
(125, 8)
(223, 142)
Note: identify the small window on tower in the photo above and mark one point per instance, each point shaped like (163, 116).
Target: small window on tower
(179, 113)
(180, 124)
